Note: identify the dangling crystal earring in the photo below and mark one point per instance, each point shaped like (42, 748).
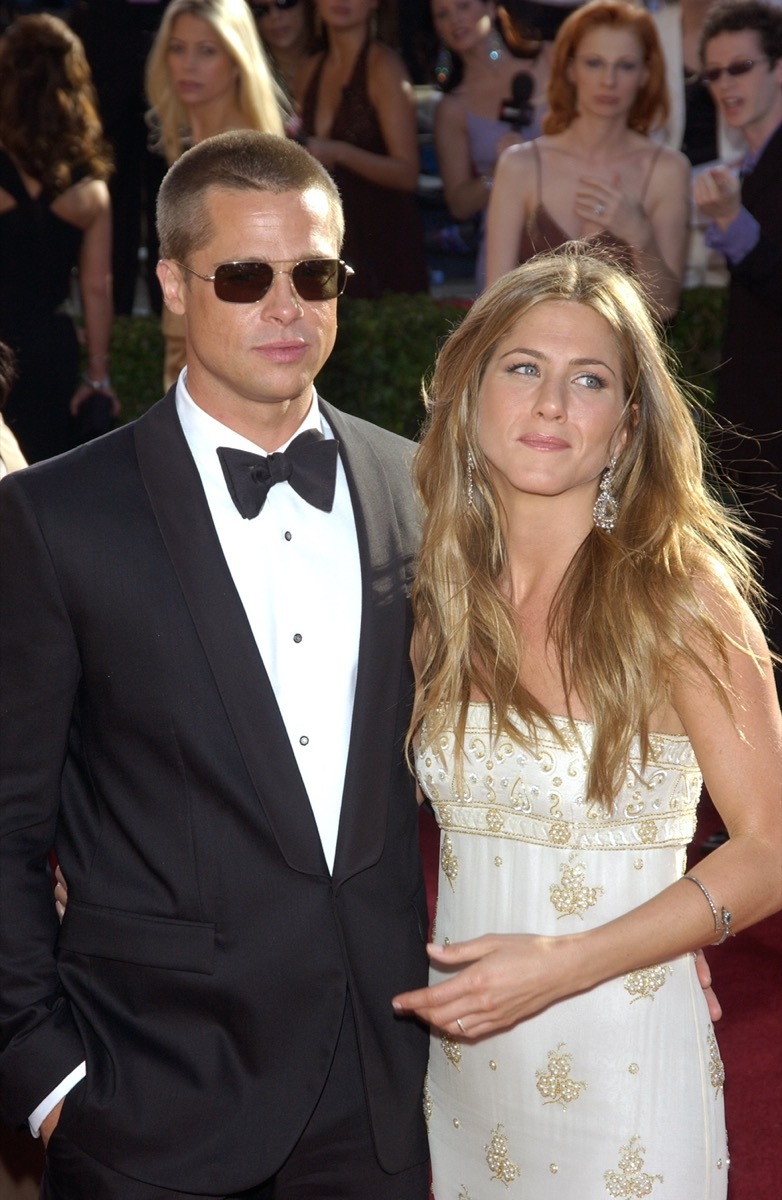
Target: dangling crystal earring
(443, 65)
(495, 45)
(606, 508)
(470, 465)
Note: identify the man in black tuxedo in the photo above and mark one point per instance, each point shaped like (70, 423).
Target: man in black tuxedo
(204, 712)
(741, 51)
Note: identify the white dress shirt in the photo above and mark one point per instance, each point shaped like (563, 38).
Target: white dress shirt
(298, 575)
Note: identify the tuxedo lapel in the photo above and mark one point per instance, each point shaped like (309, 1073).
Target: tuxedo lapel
(383, 651)
(177, 497)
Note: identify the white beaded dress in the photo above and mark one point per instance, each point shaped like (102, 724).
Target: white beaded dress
(613, 1093)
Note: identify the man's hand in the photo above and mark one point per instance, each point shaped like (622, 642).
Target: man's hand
(49, 1123)
(60, 893)
(704, 979)
(717, 193)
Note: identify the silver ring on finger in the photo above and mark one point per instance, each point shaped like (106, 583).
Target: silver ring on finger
(599, 209)
(459, 1023)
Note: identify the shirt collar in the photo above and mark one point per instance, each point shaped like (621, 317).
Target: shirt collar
(204, 433)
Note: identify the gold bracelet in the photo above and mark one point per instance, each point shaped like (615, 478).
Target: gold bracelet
(721, 927)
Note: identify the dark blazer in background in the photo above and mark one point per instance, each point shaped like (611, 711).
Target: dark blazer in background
(206, 952)
(749, 380)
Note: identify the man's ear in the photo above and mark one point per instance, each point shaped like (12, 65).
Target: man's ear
(172, 283)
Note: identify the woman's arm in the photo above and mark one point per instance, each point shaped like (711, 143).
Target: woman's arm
(392, 97)
(507, 978)
(657, 235)
(465, 192)
(95, 291)
(508, 210)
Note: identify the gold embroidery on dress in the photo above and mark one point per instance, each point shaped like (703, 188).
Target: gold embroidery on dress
(559, 833)
(716, 1069)
(631, 1182)
(452, 1051)
(497, 1157)
(571, 897)
(427, 1102)
(494, 820)
(555, 1084)
(647, 831)
(448, 860)
(642, 985)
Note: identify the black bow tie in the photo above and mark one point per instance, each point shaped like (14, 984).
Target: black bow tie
(309, 465)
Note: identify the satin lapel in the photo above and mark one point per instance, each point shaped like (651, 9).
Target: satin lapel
(383, 667)
(177, 497)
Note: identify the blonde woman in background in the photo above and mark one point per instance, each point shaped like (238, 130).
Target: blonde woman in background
(207, 73)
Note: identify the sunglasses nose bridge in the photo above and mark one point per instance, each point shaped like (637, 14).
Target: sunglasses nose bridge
(280, 295)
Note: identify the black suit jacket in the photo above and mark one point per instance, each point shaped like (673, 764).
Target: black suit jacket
(749, 383)
(204, 959)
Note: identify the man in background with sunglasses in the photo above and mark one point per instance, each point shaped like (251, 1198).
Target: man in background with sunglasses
(741, 52)
(205, 629)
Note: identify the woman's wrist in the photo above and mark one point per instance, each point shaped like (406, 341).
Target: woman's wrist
(99, 383)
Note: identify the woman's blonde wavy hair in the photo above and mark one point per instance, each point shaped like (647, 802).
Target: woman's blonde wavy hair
(651, 105)
(628, 612)
(49, 121)
(258, 95)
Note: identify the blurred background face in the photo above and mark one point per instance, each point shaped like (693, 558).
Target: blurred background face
(607, 71)
(201, 69)
(462, 24)
(751, 99)
(345, 14)
(281, 28)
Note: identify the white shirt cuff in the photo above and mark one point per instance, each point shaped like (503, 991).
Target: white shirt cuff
(36, 1119)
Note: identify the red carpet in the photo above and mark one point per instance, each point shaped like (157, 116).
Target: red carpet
(747, 973)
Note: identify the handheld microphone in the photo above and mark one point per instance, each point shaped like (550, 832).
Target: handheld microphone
(518, 111)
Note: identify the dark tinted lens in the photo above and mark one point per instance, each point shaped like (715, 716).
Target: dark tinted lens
(319, 278)
(734, 69)
(243, 283)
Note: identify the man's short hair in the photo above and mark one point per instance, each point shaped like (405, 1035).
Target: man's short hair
(734, 16)
(242, 160)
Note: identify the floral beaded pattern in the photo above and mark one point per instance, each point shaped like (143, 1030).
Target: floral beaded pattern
(516, 791)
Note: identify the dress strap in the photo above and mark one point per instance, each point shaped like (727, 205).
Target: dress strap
(538, 170)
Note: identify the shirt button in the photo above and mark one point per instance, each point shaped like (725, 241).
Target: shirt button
(288, 535)
(297, 637)
(304, 741)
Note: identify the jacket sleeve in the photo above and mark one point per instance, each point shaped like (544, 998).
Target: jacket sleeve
(39, 677)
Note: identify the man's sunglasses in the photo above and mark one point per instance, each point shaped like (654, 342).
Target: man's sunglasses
(713, 74)
(248, 282)
(263, 10)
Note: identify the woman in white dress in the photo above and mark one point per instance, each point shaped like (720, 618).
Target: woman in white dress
(585, 652)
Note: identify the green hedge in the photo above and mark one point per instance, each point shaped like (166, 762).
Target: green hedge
(385, 346)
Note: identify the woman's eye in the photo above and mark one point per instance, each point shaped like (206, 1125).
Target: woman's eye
(628, 66)
(591, 381)
(523, 368)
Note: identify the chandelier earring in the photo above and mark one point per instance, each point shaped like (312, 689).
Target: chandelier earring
(470, 466)
(606, 510)
(495, 44)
